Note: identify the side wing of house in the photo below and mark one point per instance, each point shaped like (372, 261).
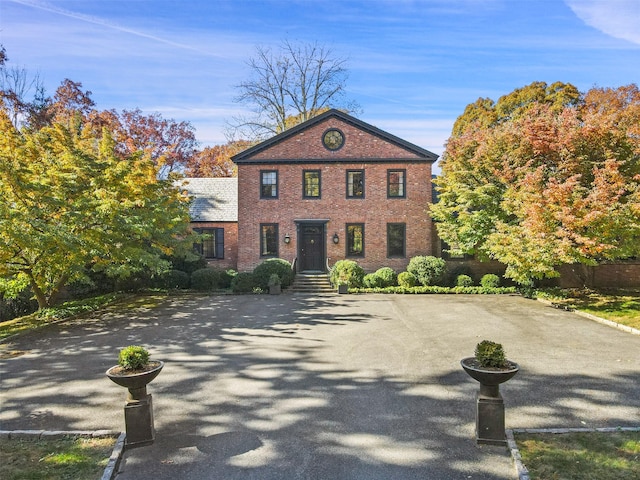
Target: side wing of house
(214, 212)
(332, 188)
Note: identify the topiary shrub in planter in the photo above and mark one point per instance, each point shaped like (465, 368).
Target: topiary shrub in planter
(490, 280)
(491, 368)
(428, 270)
(279, 266)
(464, 281)
(407, 280)
(133, 357)
(205, 279)
(490, 354)
(349, 272)
(134, 371)
(243, 283)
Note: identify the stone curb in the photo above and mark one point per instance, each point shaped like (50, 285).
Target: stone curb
(595, 318)
(110, 470)
(521, 469)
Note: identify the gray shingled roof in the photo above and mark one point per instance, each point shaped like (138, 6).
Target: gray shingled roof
(214, 199)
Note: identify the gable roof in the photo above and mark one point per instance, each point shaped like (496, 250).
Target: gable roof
(419, 152)
(214, 199)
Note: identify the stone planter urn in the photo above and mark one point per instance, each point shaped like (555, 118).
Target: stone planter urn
(138, 408)
(490, 425)
(343, 288)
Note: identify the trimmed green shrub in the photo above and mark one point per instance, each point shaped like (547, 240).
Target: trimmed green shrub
(371, 280)
(133, 357)
(490, 354)
(347, 271)
(243, 283)
(387, 277)
(174, 279)
(407, 280)
(428, 270)
(206, 279)
(226, 276)
(490, 280)
(464, 281)
(279, 266)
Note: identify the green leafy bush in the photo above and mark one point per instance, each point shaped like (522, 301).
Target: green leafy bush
(464, 281)
(206, 279)
(174, 279)
(490, 281)
(490, 354)
(226, 277)
(370, 280)
(133, 357)
(349, 272)
(274, 280)
(387, 277)
(407, 280)
(243, 282)
(428, 270)
(279, 266)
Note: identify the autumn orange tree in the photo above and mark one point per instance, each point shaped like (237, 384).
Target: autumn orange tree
(543, 177)
(215, 161)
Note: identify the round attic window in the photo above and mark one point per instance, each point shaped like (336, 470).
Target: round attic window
(333, 139)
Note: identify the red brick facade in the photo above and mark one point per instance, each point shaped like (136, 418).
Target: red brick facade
(230, 259)
(365, 148)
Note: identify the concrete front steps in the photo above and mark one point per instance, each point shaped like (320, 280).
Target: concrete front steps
(311, 283)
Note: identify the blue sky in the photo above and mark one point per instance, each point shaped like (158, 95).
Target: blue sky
(413, 64)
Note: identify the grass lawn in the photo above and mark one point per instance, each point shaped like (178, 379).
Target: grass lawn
(621, 306)
(55, 459)
(581, 456)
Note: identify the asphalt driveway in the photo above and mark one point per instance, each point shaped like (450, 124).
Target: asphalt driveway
(323, 387)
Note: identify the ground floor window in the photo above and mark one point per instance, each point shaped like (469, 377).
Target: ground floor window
(268, 239)
(212, 243)
(355, 239)
(396, 239)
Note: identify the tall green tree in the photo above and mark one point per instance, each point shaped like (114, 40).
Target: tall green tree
(69, 203)
(553, 180)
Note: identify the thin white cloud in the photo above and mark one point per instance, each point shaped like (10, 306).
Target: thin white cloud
(107, 24)
(617, 18)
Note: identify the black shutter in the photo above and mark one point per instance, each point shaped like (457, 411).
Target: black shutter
(219, 242)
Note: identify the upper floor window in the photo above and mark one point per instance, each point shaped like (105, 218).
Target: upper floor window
(396, 239)
(212, 243)
(268, 239)
(396, 183)
(355, 183)
(355, 239)
(269, 184)
(311, 183)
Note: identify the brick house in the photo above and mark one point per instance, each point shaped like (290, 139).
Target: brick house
(332, 188)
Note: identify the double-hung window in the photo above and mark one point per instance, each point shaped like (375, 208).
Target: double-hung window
(212, 243)
(311, 183)
(355, 183)
(268, 239)
(269, 184)
(396, 183)
(396, 239)
(355, 239)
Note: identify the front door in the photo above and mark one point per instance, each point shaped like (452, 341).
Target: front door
(311, 247)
